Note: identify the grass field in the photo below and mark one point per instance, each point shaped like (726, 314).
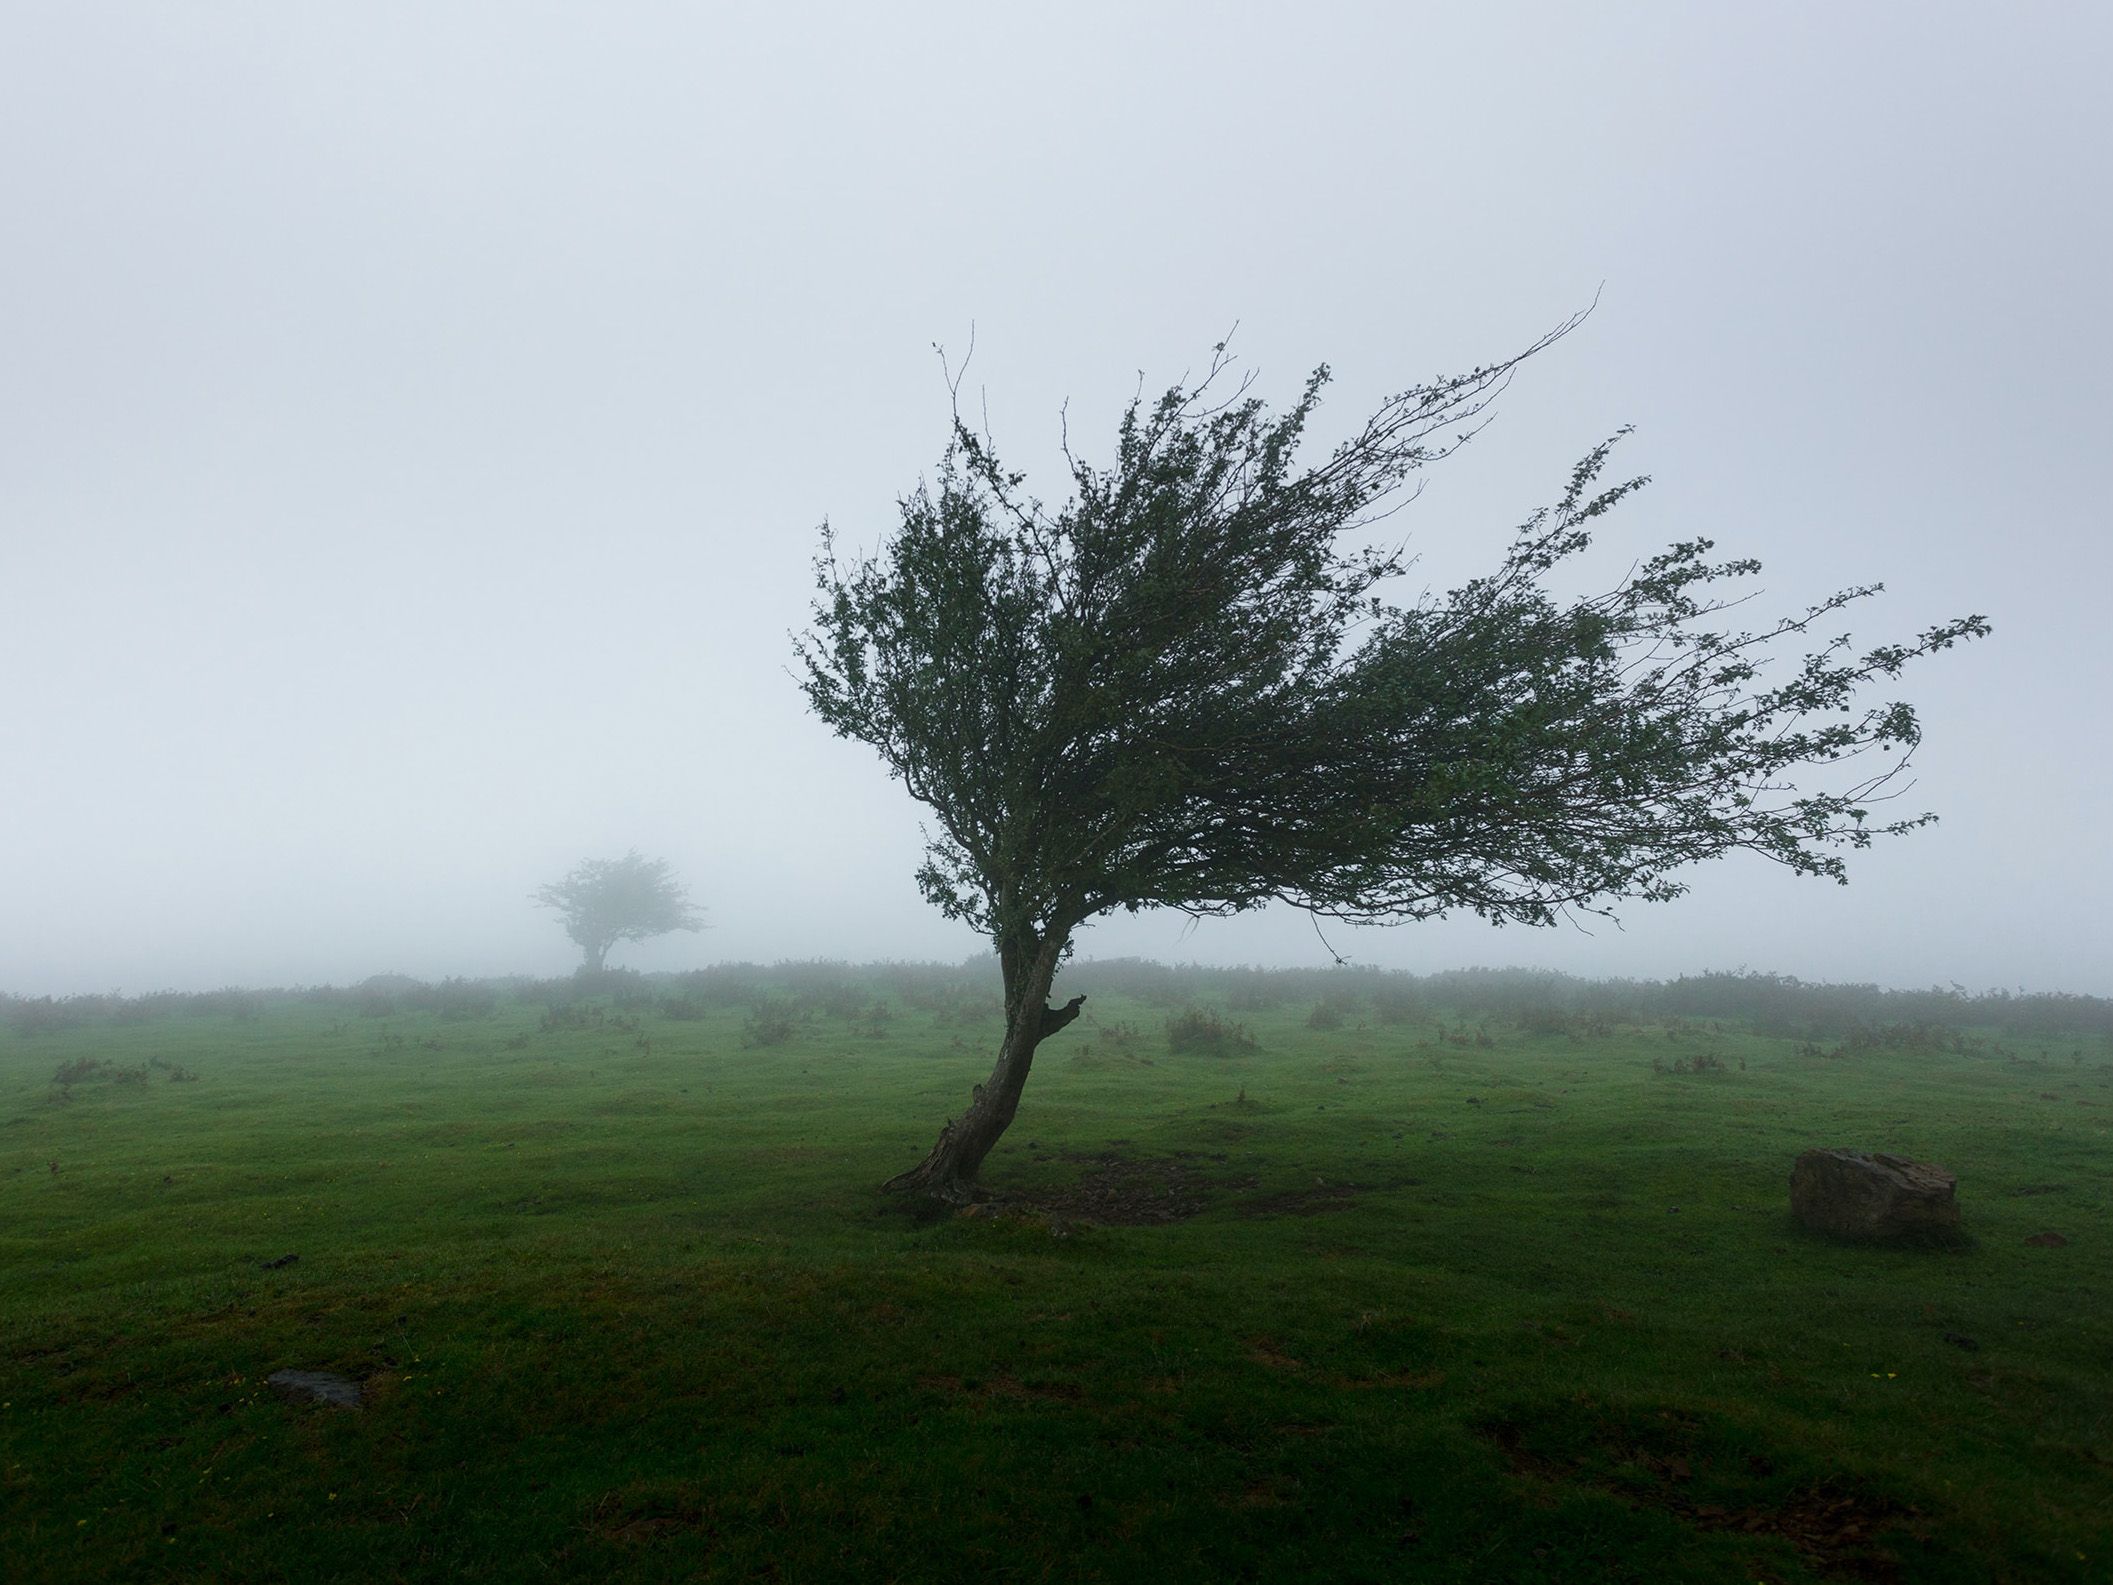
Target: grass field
(1412, 1297)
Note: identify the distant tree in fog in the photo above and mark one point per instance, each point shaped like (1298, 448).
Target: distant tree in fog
(1183, 690)
(604, 901)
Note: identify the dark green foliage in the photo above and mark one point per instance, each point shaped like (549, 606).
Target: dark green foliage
(1188, 687)
(1182, 689)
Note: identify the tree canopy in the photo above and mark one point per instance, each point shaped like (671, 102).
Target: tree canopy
(1191, 687)
(604, 901)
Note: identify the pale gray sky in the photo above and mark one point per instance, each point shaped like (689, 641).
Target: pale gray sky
(415, 419)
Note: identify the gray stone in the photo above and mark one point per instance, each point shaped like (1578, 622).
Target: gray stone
(315, 1386)
(1870, 1195)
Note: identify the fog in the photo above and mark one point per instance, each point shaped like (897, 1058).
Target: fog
(415, 421)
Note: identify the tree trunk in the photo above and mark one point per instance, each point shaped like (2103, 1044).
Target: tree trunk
(597, 952)
(948, 1171)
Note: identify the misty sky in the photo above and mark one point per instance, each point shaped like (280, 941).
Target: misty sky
(415, 420)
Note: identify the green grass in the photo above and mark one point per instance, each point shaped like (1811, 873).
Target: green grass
(1392, 1301)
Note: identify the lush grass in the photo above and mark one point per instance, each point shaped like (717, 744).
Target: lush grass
(1504, 1303)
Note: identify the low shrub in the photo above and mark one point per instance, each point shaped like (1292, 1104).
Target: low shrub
(455, 999)
(571, 1016)
(1196, 1030)
(834, 999)
(42, 1016)
(769, 1023)
(1700, 1062)
(228, 1002)
(1923, 1038)
(87, 1070)
(623, 987)
(1395, 1002)
(1544, 1019)
(722, 985)
(1256, 990)
(1466, 1038)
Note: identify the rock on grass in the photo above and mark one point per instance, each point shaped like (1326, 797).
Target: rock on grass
(1854, 1194)
(315, 1386)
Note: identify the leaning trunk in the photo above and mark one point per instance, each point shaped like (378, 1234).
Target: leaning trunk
(948, 1171)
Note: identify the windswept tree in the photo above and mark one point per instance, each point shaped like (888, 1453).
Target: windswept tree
(604, 901)
(1188, 688)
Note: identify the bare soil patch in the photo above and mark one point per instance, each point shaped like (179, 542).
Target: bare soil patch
(1120, 1190)
(1323, 1196)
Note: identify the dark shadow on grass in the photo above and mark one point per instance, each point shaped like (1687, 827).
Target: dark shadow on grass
(1711, 1474)
(1115, 1189)
(1928, 1241)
